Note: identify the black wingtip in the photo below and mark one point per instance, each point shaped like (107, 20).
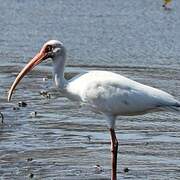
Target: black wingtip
(177, 104)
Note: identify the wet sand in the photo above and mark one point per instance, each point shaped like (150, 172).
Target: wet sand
(67, 141)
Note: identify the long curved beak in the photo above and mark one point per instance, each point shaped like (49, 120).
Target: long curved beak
(34, 62)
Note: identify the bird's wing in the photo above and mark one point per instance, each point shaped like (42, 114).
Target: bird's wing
(115, 94)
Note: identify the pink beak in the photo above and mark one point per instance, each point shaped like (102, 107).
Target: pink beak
(42, 55)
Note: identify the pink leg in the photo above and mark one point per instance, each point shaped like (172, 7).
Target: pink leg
(114, 150)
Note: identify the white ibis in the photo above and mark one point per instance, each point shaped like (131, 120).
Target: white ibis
(104, 92)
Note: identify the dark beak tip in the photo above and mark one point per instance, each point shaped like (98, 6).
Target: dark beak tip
(9, 99)
(9, 96)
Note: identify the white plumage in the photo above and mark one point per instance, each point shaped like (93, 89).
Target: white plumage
(112, 94)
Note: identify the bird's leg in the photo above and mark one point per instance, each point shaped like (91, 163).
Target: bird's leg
(114, 150)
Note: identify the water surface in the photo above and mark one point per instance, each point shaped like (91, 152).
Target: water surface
(137, 39)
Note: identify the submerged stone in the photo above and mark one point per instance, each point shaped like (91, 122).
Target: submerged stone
(22, 104)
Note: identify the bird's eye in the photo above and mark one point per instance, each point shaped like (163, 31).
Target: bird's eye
(49, 48)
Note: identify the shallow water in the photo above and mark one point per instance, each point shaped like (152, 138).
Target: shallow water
(137, 39)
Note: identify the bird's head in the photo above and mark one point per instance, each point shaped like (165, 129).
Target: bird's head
(50, 49)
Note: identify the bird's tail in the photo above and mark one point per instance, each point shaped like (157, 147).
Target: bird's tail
(174, 108)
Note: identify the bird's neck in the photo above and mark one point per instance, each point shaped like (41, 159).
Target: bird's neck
(58, 73)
